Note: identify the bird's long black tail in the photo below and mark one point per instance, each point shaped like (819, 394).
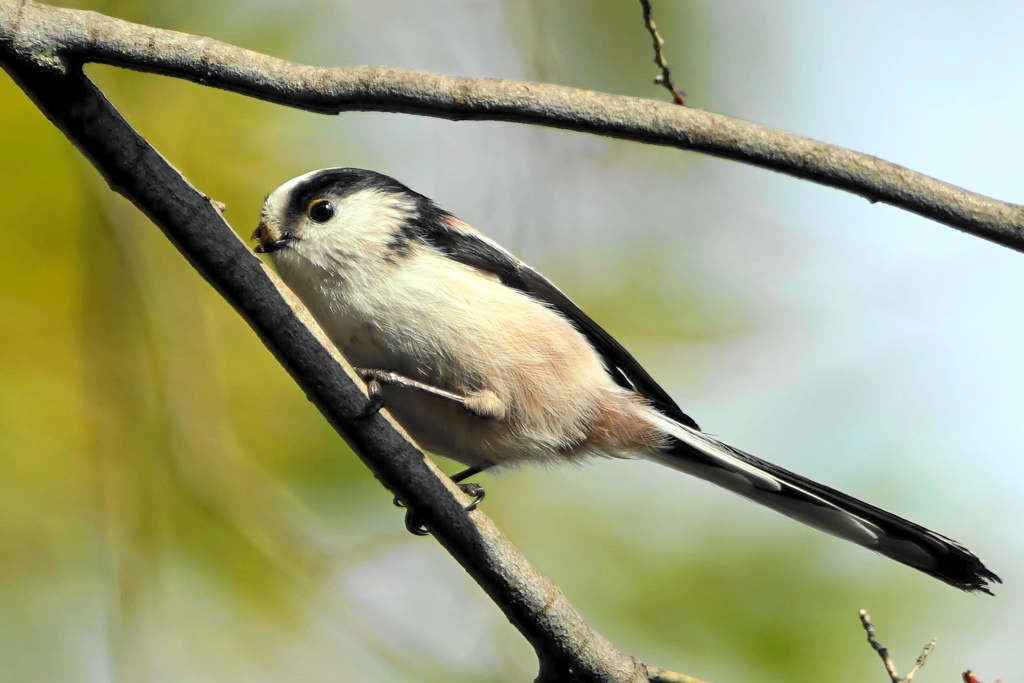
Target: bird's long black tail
(822, 507)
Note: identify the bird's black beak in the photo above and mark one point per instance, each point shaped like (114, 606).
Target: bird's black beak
(268, 247)
(270, 238)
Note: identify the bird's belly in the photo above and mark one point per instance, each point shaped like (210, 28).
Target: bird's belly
(439, 425)
(551, 385)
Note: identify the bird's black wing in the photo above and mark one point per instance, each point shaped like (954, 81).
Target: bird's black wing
(459, 242)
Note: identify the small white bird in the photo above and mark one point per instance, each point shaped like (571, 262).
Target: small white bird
(483, 360)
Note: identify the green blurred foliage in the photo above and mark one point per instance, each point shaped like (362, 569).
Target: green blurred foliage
(127, 456)
(171, 506)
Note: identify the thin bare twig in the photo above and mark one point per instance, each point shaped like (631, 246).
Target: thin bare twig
(659, 675)
(920, 660)
(883, 652)
(665, 77)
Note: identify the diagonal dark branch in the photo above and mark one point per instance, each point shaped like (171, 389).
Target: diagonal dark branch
(192, 223)
(567, 647)
(50, 35)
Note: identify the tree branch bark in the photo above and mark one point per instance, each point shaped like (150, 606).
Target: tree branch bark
(43, 48)
(33, 52)
(51, 36)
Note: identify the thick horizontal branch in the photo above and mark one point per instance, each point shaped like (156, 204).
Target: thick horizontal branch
(56, 38)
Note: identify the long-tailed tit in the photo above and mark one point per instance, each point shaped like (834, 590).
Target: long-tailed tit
(483, 360)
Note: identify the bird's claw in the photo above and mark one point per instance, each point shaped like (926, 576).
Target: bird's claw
(474, 491)
(414, 524)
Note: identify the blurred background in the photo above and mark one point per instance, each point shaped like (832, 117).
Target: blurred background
(173, 509)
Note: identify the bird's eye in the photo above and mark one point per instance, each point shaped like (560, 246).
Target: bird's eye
(320, 210)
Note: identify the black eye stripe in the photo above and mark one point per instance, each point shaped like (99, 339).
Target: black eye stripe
(320, 210)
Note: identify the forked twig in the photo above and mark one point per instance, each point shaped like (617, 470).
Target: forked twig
(883, 652)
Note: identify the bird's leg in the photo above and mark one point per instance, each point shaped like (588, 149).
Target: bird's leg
(484, 404)
(413, 522)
